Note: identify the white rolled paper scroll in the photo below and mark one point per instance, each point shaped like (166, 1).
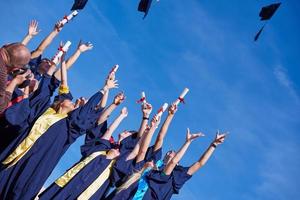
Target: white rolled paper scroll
(60, 52)
(69, 17)
(181, 97)
(162, 110)
(143, 97)
(114, 69)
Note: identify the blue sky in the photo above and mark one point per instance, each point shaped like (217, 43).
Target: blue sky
(250, 89)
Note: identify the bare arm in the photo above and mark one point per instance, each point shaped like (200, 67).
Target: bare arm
(146, 109)
(172, 164)
(32, 31)
(119, 98)
(82, 47)
(47, 41)
(115, 124)
(64, 76)
(163, 131)
(146, 139)
(207, 154)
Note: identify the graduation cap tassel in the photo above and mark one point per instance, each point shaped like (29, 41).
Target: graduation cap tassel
(258, 33)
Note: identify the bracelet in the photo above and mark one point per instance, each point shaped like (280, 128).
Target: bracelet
(214, 145)
(145, 118)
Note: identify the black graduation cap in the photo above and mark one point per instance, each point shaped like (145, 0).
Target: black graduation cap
(268, 11)
(266, 14)
(62, 97)
(79, 4)
(144, 6)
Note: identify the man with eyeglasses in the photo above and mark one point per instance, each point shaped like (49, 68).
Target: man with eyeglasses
(13, 60)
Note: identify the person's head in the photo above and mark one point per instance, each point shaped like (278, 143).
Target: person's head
(124, 135)
(44, 66)
(17, 56)
(63, 102)
(169, 155)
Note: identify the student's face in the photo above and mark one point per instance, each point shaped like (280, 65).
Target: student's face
(44, 66)
(68, 105)
(169, 155)
(124, 135)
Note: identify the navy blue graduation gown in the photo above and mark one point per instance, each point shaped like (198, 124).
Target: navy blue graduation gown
(17, 118)
(83, 179)
(25, 179)
(12, 122)
(162, 187)
(91, 137)
(34, 65)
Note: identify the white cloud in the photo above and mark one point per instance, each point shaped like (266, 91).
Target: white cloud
(282, 76)
(279, 172)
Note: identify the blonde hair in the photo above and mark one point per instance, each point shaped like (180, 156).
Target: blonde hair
(133, 178)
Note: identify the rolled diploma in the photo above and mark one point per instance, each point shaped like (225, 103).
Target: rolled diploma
(162, 110)
(115, 69)
(143, 95)
(60, 53)
(69, 17)
(185, 91)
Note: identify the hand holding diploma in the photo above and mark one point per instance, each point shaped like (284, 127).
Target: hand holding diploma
(61, 50)
(181, 97)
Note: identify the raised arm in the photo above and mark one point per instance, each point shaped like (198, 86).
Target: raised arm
(175, 160)
(109, 84)
(146, 109)
(82, 47)
(115, 124)
(146, 139)
(64, 75)
(47, 41)
(219, 139)
(32, 31)
(163, 130)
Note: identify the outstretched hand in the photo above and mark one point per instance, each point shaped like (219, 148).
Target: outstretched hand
(172, 109)
(155, 121)
(58, 26)
(33, 28)
(80, 102)
(111, 83)
(124, 112)
(119, 98)
(82, 47)
(190, 137)
(146, 109)
(220, 137)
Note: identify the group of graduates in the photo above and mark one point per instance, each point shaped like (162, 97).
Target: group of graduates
(35, 132)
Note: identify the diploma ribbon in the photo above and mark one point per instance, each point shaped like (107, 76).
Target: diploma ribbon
(141, 100)
(181, 100)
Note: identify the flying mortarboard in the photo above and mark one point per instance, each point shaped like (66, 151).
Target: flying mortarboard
(144, 6)
(79, 4)
(266, 14)
(268, 11)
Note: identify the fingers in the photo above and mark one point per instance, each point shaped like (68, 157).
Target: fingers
(188, 131)
(200, 134)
